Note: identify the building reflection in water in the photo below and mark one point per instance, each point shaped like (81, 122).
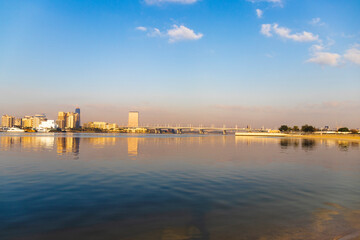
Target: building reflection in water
(255, 140)
(33, 143)
(101, 142)
(68, 145)
(133, 146)
(306, 144)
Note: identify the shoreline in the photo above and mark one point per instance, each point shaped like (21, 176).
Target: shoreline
(347, 137)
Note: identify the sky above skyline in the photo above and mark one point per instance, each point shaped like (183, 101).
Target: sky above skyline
(244, 62)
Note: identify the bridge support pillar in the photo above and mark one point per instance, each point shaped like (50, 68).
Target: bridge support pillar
(224, 132)
(178, 131)
(201, 131)
(157, 131)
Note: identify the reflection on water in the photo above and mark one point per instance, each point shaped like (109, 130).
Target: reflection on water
(68, 145)
(179, 187)
(133, 145)
(32, 143)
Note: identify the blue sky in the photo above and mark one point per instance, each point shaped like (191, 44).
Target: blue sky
(260, 62)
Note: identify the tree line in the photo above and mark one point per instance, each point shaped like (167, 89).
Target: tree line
(310, 129)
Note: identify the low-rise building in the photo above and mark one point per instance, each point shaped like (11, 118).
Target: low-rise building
(101, 125)
(47, 125)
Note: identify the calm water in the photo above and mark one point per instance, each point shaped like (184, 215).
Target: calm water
(177, 187)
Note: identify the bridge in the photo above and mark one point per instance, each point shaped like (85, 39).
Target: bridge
(178, 129)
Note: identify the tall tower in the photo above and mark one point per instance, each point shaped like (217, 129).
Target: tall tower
(78, 124)
(133, 119)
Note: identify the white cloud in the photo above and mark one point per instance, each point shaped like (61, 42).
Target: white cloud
(353, 55)
(156, 2)
(325, 58)
(268, 29)
(298, 37)
(259, 13)
(140, 28)
(317, 47)
(155, 32)
(176, 33)
(181, 33)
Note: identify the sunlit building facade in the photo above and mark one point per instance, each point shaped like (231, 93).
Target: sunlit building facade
(69, 120)
(18, 122)
(27, 122)
(101, 125)
(61, 121)
(38, 119)
(133, 119)
(7, 121)
(72, 120)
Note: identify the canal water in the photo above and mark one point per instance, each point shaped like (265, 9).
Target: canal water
(172, 187)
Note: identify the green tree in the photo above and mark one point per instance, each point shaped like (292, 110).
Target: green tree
(284, 128)
(343, 129)
(308, 128)
(296, 129)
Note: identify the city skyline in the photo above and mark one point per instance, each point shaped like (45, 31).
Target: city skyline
(259, 62)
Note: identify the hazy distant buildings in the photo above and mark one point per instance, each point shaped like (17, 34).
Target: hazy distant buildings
(101, 125)
(133, 119)
(69, 120)
(7, 121)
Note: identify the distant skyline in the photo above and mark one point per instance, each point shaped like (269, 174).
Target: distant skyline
(245, 62)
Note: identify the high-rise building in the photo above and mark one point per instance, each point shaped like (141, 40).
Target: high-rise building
(69, 119)
(72, 120)
(61, 121)
(78, 124)
(7, 121)
(133, 119)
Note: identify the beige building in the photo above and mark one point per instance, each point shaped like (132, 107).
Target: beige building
(68, 120)
(18, 122)
(101, 125)
(7, 121)
(33, 121)
(133, 119)
(61, 121)
(27, 122)
(72, 120)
